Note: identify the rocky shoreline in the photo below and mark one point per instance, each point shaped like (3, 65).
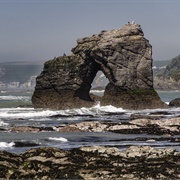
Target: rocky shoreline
(96, 162)
(157, 124)
(65, 83)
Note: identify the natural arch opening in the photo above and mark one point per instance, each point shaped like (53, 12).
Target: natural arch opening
(93, 79)
(87, 73)
(99, 83)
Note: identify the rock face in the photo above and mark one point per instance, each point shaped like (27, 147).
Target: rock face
(123, 55)
(96, 162)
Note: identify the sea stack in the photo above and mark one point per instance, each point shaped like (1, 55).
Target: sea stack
(125, 58)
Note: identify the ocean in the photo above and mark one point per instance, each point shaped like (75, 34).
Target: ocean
(13, 115)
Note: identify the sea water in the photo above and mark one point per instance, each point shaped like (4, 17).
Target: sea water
(12, 115)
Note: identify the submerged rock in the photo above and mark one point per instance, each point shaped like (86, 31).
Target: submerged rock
(30, 129)
(25, 143)
(24, 129)
(125, 58)
(95, 162)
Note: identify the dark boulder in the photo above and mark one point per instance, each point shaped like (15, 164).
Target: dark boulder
(125, 58)
(175, 102)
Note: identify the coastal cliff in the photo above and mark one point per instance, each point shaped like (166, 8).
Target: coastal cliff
(169, 77)
(125, 58)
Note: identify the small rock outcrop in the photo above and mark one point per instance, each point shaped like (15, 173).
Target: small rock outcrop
(125, 58)
(175, 102)
(96, 162)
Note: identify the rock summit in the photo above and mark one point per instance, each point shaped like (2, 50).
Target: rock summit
(125, 58)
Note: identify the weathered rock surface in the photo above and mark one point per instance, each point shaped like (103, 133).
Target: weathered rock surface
(136, 126)
(96, 162)
(123, 55)
(171, 126)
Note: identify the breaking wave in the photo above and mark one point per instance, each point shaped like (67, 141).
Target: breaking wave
(35, 113)
(2, 123)
(62, 139)
(4, 145)
(97, 109)
(31, 113)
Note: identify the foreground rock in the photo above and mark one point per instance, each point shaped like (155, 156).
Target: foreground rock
(125, 58)
(137, 162)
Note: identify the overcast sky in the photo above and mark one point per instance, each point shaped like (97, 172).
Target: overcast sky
(34, 30)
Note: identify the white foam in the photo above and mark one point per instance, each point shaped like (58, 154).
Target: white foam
(97, 91)
(10, 97)
(97, 109)
(25, 113)
(31, 113)
(2, 123)
(6, 145)
(58, 139)
(100, 109)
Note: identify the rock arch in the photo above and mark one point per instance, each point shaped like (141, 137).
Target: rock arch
(87, 73)
(123, 55)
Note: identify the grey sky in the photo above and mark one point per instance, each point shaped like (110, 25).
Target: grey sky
(33, 30)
